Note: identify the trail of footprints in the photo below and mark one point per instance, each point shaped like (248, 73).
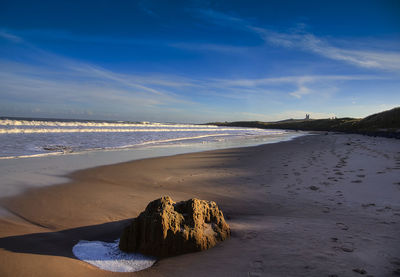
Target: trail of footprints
(331, 176)
(343, 243)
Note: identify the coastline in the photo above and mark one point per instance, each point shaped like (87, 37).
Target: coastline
(281, 226)
(19, 174)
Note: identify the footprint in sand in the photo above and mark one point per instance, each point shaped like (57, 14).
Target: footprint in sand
(395, 261)
(339, 193)
(257, 268)
(250, 235)
(368, 205)
(347, 247)
(342, 226)
(356, 181)
(360, 270)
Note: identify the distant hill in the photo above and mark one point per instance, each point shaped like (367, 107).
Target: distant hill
(386, 124)
(384, 120)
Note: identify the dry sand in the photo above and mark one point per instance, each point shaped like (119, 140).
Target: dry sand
(321, 205)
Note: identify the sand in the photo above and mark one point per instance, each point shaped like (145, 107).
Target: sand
(320, 205)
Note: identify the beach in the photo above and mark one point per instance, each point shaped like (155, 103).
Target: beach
(325, 204)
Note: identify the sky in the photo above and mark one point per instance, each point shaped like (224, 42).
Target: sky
(198, 61)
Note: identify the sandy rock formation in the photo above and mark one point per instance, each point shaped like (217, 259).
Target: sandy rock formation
(167, 228)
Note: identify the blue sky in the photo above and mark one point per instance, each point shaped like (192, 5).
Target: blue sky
(198, 61)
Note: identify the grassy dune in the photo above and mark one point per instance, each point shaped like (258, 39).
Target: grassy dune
(385, 123)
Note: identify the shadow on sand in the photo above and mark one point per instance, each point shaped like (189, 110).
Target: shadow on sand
(60, 243)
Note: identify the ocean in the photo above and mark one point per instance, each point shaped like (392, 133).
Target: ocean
(36, 153)
(24, 138)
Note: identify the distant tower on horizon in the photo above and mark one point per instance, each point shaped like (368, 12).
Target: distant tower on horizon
(307, 116)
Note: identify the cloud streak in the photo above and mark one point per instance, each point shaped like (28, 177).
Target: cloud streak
(302, 83)
(386, 60)
(50, 82)
(299, 39)
(10, 37)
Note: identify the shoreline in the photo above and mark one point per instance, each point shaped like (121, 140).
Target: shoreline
(281, 226)
(20, 174)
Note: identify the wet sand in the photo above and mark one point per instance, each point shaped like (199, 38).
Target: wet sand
(320, 205)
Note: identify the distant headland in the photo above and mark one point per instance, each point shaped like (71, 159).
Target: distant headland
(385, 124)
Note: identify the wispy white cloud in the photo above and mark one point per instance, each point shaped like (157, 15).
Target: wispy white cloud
(210, 47)
(63, 35)
(77, 87)
(302, 83)
(301, 79)
(9, 36)
(144, 6)
(373, 57)
(379, 59)
(302, 90)
(219, 17)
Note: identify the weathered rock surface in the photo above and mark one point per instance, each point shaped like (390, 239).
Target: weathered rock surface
(167, 228)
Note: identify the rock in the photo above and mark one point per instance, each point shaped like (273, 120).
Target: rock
(313, 188)
(167, 228)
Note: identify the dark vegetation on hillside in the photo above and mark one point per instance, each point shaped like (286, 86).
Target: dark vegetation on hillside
(385, 124)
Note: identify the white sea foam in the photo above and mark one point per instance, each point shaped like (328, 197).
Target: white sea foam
(106, 130)
(107, 256)
(37, 123)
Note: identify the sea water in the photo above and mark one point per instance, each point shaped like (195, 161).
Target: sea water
(29, 138)
(35, 153)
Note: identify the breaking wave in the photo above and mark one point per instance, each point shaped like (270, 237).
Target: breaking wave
(105, 130)
(38, 123)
